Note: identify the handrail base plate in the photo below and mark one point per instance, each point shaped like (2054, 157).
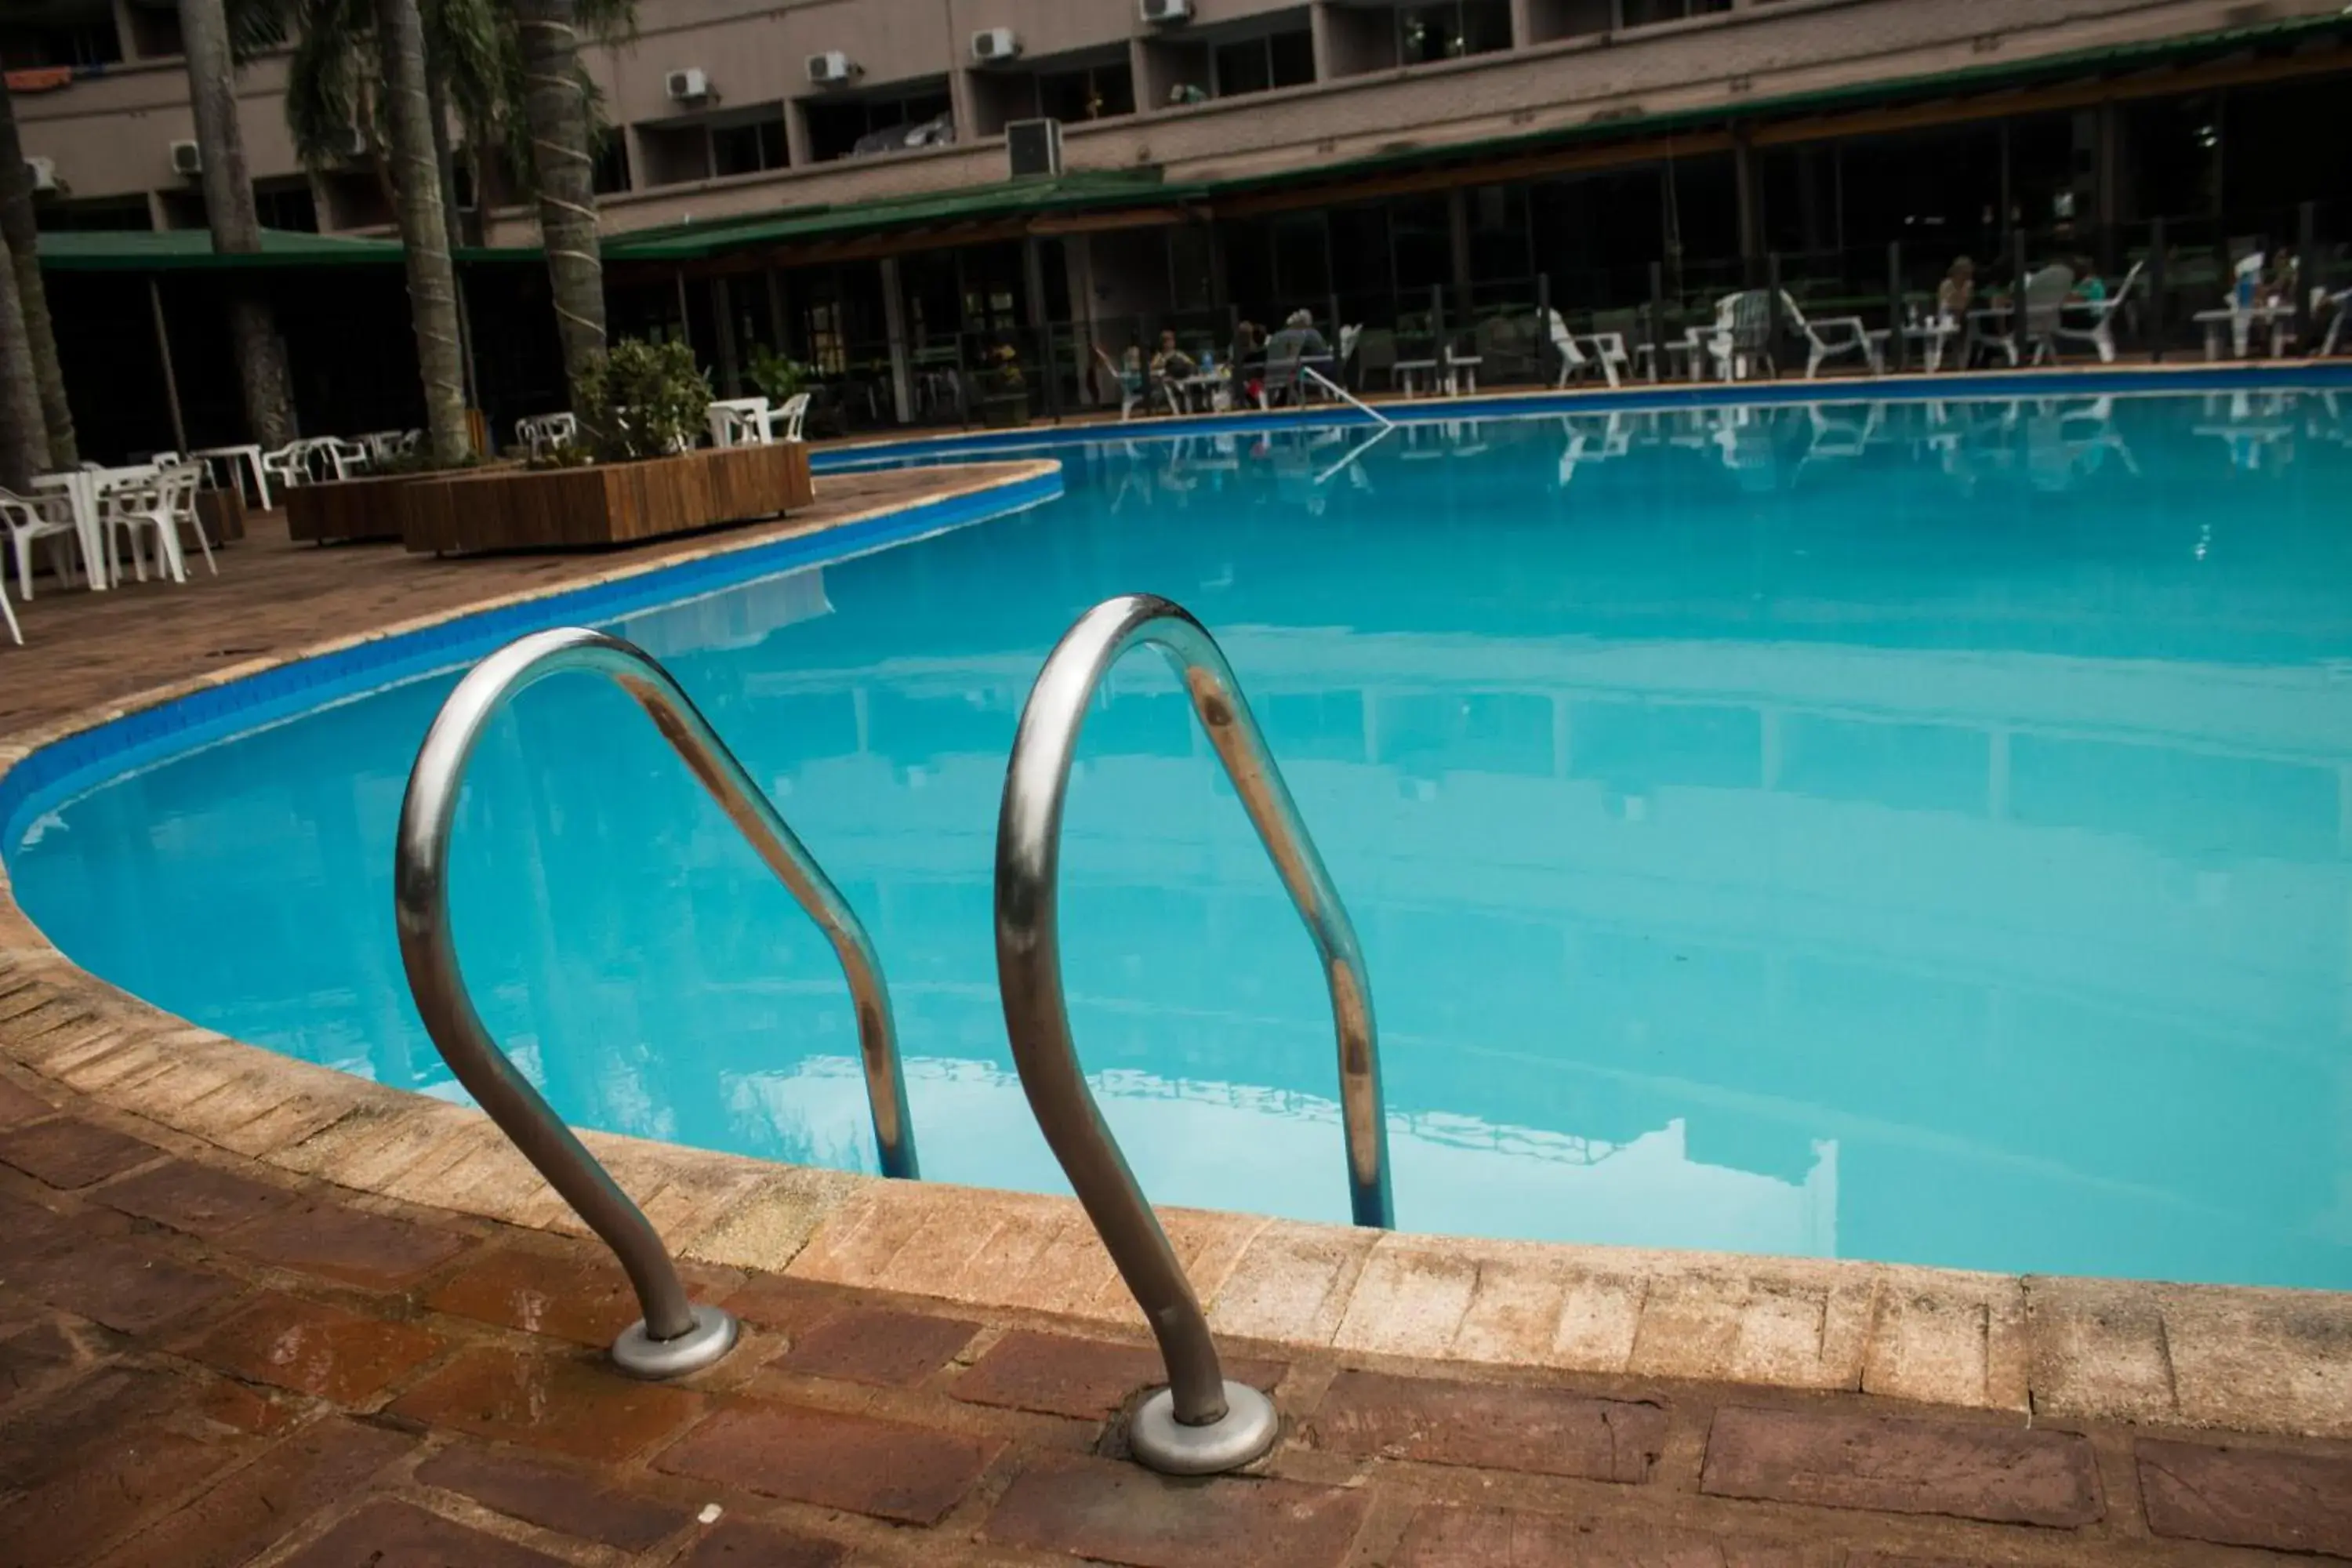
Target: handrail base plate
(1245, 1432)
(639, 1354)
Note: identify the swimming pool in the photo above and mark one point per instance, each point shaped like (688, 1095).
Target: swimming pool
(1919, 832)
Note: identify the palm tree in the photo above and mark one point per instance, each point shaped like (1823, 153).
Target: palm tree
(236, 225)
(347, 49)
(22, 234)
(558, 114)
(24, 445)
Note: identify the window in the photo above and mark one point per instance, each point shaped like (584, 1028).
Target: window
(749, 147)
(65, 36)
(1254, 65)
(836, 126)
(1643, 12)
(107, 213)
(1090, 92)
(289, 206)
(611, 172)
(1451, 29)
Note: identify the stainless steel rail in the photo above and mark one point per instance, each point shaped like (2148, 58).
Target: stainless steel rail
(1200, 1424)
(1338, 391)
(675, 1336)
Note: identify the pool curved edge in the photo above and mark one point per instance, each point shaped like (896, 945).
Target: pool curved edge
(2228, 1357)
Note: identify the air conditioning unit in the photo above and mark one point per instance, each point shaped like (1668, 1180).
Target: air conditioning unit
(1033, 146)
(43, 173)
(688, 86)
(831, 69)
(1166, 13)
(187, 158)
(993, 46)
(351, 143)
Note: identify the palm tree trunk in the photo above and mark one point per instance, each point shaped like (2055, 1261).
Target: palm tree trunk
(555, 107)
(24, 445)
(445, 158)
(17, 227)
(236, 225)
(424, 232)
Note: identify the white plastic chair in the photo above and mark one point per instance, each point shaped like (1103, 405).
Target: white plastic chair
(1608, 349)
(738, 421)
(792, 412)
(28, 519)
(543, 433)
(1831, 336)
(2101, 333)
(2045, 304)
(155, 505)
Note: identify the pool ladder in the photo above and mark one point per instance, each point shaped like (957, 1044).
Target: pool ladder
(1200, 1424)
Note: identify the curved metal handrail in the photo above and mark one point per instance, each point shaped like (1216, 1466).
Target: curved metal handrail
(675, 1336)
(1200, 1423)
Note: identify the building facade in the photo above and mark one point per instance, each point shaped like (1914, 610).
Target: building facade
(1386, 162)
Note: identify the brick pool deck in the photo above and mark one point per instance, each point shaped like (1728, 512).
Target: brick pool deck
(253, 1311)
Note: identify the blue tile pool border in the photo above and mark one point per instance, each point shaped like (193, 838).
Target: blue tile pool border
(56, 769)
(1972, 387)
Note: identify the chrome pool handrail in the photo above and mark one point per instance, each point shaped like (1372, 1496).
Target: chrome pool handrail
(675, 1336)
(1200, 1423)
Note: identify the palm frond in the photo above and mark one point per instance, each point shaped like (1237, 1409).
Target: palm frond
(257, 27)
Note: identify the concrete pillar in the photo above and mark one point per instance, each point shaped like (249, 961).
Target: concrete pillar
(894, 318)
(722, 318)
(1457, 220)
(1078, 265)
(796, 133)
(1752, 209)
(1318, 27)
(1523, 23)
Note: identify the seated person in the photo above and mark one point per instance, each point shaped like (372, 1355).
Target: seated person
(1298, 339)
(1957, 292)
(1171, 363)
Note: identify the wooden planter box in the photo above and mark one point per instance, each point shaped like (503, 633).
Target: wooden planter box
(372, 507)
(607, 503)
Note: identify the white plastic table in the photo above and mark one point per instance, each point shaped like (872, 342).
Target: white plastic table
(233, 455)
(82, 488)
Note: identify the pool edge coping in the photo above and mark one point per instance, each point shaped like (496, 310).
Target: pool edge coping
(2232, 1357)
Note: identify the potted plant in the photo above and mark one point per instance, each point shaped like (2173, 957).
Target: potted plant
(1004, 392)
(779, 377)
(634, 474)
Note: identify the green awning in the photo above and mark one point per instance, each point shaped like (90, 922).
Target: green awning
(191, 250)
(1073, 192)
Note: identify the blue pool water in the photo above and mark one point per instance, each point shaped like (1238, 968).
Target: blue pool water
(1922, 835)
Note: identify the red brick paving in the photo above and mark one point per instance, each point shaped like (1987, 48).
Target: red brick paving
(67, 1154)
(834, 1460)
(1123, 1513)
(893, 1349)
(199, 1199)
(2248, 1496)
(580, 1503)
(312, 1348)
(1055, 1375)
(1507, 1538)
(564, 1403)
(1548, 1431)
(1969, 1470)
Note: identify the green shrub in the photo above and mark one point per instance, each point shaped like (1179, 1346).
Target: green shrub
(776, 375)
(645, 400)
